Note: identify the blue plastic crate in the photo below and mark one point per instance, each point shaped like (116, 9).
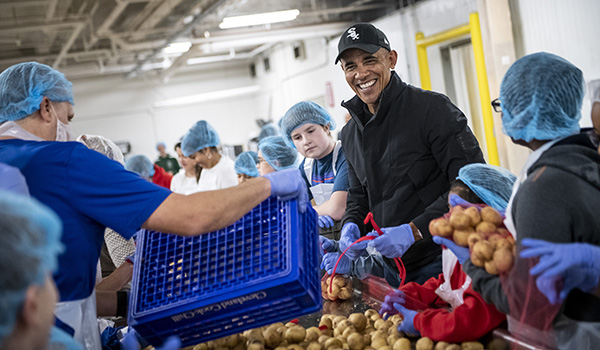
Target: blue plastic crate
(262, 269)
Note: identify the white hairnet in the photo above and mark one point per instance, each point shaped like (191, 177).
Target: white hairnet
(103, 145)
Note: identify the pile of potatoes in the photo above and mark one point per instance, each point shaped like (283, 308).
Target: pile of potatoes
(358, 331)
(341, 288)
(480, 229)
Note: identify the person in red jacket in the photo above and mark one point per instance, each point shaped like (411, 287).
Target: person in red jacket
(449, 309)
(142, 166)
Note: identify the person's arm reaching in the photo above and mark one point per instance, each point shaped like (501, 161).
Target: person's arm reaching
(334, 207)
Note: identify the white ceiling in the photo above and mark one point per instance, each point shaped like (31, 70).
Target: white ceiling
(86, 38)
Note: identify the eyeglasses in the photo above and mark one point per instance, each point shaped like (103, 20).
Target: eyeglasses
(497, 106)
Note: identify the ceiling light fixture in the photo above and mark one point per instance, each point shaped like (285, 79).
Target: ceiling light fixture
(181, 47)
(259, 18)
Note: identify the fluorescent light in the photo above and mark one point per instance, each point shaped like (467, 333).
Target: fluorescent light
(177, 47)
(208, 96)
(259, 18)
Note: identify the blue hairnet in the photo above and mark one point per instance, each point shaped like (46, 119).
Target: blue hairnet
(541, 96)
(23, 86)
(246, 163)
(200, 136)
(13, 180)
(140, 165)
(492, 184)
(268, 129)
(29, 245)
(303, 113)
(277, 153)
(160, 143)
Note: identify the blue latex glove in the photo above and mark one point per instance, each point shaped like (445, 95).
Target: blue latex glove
(394, 241)
(329, 260)
(325, 221)
(328, 245)
(455, 200)
(289, 184)
(407, 326)
(130, 342)
(350, 233)
(387, 307)
(577, 263)
(462, 253)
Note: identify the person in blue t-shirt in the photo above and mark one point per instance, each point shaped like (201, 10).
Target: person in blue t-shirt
(308, 127)
(90, 192)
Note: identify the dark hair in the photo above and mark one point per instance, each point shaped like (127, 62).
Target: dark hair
(178, 145)
(464, 192)
(197, 167)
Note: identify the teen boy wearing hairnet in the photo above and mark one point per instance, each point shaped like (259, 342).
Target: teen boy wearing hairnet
(89, 192)
(275, 155)
(556, 197)
(404, 146)
(307, 126)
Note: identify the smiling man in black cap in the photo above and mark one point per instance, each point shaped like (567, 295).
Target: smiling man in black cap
(404, 146)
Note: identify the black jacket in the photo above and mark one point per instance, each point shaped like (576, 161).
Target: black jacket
(402, 160)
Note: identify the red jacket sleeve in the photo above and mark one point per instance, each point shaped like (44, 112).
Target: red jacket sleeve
(423, 294)
(470, 321)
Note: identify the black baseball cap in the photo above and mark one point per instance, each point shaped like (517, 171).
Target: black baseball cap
(364, 36)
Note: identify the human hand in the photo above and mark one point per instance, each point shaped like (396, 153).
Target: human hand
(387, 307)
(394, 242)
(407, 326)
(329, 261)
(462, 253)
(350, 233)
(455, 200)
(325, 221)
(288, 184)
(577, 263)
(328, 245)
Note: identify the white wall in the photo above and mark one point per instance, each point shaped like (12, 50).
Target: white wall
(570, 29)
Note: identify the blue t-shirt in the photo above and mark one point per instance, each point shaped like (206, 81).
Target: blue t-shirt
(89, 192)
(323, 172)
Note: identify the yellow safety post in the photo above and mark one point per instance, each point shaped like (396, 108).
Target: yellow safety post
(484, 90)
(474, 29)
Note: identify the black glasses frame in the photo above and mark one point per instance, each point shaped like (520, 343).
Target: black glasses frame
(497, 106)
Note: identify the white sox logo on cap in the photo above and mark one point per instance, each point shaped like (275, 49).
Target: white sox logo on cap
(353, 34)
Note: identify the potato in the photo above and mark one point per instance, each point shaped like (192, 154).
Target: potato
(474, 238)
(440, 227)
(313, 334)
(294, 347)
(474, 216)
(491, 268)
(391, 339)
(370, 313)
(503, 259)
(337, 320)
(231, 341)
(333, 343)
(255, 345)
(441, 345)
(378, 342)
(345, 293)
(387, 347)
(201, 346)
(314, 346)
(453, 347)
(252, 335)
(326, 321)
(503, 243)
(379, 324)
(396, 319)
(322, 339)
(240, 346)
(424, 344)
(393, 330)
(461, 236)
(485, 227)
(348, 331)
(272, 337)
(491, 215)
(358, 320)
(295, 334)
(356, 341)
(401, 344)
(477, 261)
(472, 345)
(459, 220)
(483, 250)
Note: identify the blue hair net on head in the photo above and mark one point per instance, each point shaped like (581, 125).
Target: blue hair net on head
(23, 86)
(277, 153)
(492, 184)
(200, 136)
(303, 113)
(140, 165)
(29, 245)
(268, 129)
(246, 163)
(541, 96)
(161, 144)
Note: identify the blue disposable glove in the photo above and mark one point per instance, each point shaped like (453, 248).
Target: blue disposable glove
(328, 245)
(462, 253)
(130, 342)
(455, 200)
(387, 307)
(289, 184)
(394, 241)
(577, 263)
(407, 326)
(350, 233)
(329, 260)
(325, 221)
